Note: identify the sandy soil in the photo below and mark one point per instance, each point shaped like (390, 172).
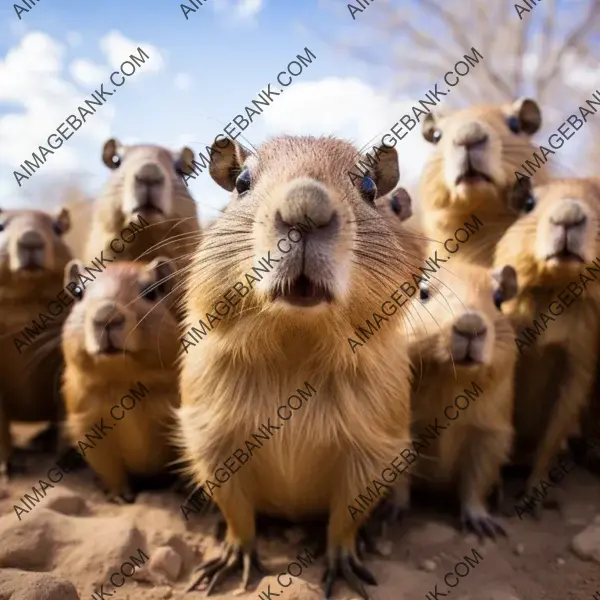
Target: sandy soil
(73, 540)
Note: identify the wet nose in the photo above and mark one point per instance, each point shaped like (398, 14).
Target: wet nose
(150, 175)
(30, 241)
(109, 316)
(568, 215)
(471, 135)
(308, 199)
(470, 325)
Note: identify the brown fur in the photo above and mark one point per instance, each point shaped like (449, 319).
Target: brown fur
(555, 372)
(29, 371)
(93, 383)
(446, 206)
(234, 379)
(470, 452)
(174, 234)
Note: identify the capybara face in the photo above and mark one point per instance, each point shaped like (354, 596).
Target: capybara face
(557, 232)
(147, 180)
(121, 315)
(31, 243)
(458, 321)
(478, 150)
(295, 207)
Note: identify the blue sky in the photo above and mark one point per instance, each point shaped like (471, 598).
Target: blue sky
(202, 72)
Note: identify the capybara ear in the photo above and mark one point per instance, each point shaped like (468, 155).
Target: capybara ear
(227, 161)
(385, 172)
(506, 282)
(72, 270)
(529, 114)
(62, 221)
(184, 164)
(110, 153)
(401, 203)
(161, 270)
(429, 127)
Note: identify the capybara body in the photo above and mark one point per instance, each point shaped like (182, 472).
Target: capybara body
(120, 338)
(463, 355)
(290, 330)
(472, 172)
(554, 249)
(33, 256)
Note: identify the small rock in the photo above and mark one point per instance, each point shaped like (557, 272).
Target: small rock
(384, 547)
(560, 561)
(519, 549)
(23, 585)
(298, 589)
(428, 565)
(165, 561)
(586, 544)
(65, 502)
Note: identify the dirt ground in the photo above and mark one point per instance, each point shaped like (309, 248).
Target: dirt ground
(74, 535)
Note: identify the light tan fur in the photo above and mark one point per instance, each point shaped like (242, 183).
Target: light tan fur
(174, 233)
(235, 378)
(555, 372)
(94, 381)
(30, 368)
(469, 453)
(446, 205)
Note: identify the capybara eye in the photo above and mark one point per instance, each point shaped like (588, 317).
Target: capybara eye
(77, 292)
(151, 293)
(368, 189)
(242, 183)
(529, 204)
(178, 168)
(498, 298)
(423, 292)
(514, 125)
(116, 160)
(436, 136)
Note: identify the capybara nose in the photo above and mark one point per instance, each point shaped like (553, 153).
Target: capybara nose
(470, 325)
(307, 199)
(31, 240)
(150, 175)
(568, 214)
(470, 135)
(109, 316)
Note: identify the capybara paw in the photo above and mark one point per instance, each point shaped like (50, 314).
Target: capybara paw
(232, 558)
(344, 565)
(480, 522)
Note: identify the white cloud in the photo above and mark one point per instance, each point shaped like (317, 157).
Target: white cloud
(87, 72)
(242, 9)
(117, 48)
(351, 109)
(74, 39)
(182, 81)
(249, 8)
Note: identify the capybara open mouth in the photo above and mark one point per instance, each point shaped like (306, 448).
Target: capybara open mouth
(302, 292)
(472, 177)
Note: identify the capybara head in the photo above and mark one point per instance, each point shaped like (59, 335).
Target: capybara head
(478, 150)
(459, 321)
(324, 250)
(32, 245)
(119, 320)
(556, 234)
(147, 181)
